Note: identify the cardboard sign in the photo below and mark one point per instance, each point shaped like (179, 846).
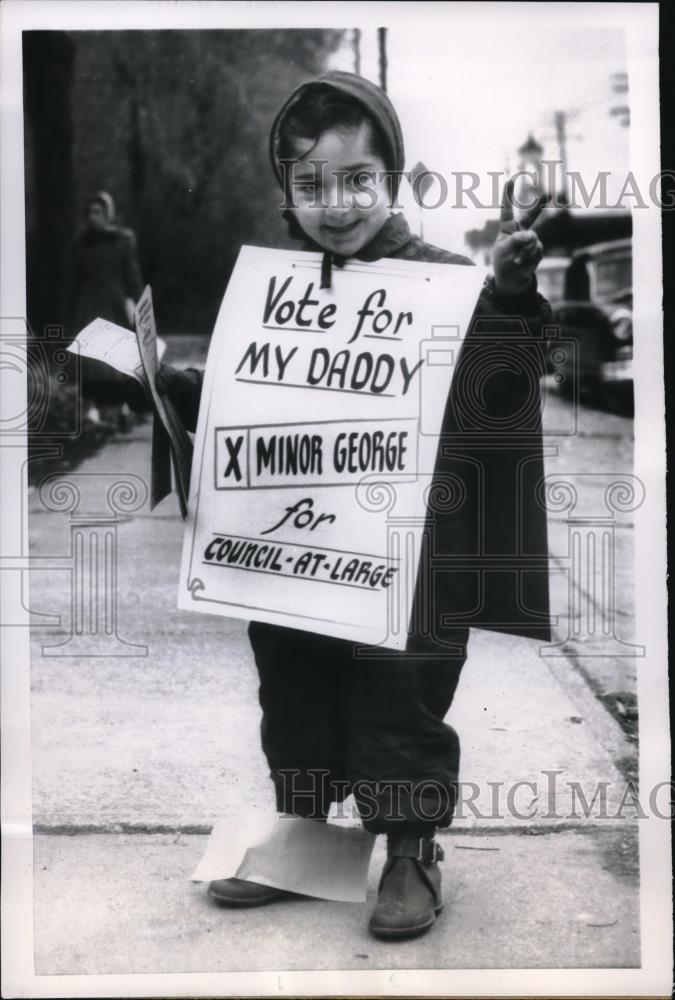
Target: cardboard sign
(169, 437)
(320, 414)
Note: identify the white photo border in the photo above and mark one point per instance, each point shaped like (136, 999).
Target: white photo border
(640, 22)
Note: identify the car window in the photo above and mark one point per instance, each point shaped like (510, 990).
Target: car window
(551, 282)
(611, 275)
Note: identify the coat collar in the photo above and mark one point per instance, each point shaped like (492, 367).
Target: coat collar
(393, 235)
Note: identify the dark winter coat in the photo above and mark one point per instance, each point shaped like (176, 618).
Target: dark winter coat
(488, 560)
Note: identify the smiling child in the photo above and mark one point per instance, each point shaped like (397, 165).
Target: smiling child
(333, 724)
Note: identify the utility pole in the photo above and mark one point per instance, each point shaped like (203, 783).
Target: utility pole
(382, 49)
(560, 131)
(356, 42)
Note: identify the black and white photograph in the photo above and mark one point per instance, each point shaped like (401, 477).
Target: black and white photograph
(300, 300)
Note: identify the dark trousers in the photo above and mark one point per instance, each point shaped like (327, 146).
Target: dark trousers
(335, 723)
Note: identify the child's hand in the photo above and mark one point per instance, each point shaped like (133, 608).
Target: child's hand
(134, 395)
(183, 387)
(518, 249)
(169, 381)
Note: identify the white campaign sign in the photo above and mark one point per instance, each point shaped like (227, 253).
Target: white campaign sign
(320, 408)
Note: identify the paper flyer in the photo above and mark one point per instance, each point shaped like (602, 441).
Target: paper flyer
(114, 345)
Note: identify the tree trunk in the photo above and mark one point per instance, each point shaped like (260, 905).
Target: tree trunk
(48, 59)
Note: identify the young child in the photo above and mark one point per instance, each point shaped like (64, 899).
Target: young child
(333, 723)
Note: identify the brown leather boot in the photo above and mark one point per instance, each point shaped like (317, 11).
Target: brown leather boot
(409, 895)
(239, 892)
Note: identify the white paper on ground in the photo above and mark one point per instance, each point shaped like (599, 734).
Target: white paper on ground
(228, 843)
(325, 860)
(114, 345)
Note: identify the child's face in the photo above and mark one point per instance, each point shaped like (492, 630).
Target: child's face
(331, 206)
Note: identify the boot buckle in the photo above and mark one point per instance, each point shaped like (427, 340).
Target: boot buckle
(429, 851)
(423, 849)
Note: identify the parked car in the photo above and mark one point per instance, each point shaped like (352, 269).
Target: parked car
(592, 298)
(551, 278)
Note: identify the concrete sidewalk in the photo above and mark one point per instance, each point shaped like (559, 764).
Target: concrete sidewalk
(123, 904)
(135, 756)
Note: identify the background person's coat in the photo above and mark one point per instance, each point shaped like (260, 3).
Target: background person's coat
(103, 275)
(103, 272)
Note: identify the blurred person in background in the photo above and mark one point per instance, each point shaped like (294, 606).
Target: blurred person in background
(103, 281)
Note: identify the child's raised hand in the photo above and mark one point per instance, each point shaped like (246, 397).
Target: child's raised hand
(518, 249)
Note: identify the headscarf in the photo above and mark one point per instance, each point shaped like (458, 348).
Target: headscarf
(107, 201)
(375, 102)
